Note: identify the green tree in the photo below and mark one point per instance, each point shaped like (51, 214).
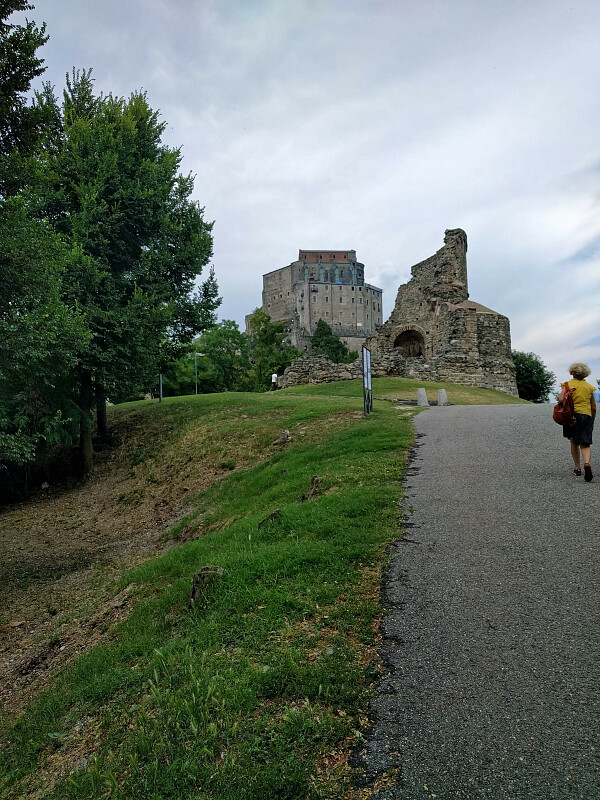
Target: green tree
(269, 350)
(534, 380)
(21, 123)
(325, 341)
(41, 337)
(225, 365)
(117, 198)
(221, 356)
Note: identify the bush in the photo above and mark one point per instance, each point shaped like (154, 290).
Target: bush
(534, 381)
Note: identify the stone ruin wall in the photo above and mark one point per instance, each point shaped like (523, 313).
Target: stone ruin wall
(434, 332)
(314, 369)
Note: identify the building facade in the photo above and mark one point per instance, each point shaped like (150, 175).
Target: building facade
(328, 285)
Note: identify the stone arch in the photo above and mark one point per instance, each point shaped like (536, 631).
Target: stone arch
(410, 341)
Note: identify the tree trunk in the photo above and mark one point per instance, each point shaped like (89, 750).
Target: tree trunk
(101, 416)
(86, 450)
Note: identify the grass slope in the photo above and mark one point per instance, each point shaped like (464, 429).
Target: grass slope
(260, 690)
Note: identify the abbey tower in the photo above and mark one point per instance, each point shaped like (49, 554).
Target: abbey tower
(328, 285)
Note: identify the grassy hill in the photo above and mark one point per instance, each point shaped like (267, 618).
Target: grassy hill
(118, 687)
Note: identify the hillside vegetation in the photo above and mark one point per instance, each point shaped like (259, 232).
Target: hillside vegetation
(115, 687)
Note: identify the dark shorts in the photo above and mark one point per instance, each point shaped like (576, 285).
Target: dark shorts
(581, 432)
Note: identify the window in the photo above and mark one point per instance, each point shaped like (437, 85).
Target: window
(360, 300)
(341, 298)
(314, 298)
(326, 299)
(353, 298)
(327, 313)
(314, 312)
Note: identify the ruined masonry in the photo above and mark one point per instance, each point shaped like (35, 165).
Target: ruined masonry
(434, 332)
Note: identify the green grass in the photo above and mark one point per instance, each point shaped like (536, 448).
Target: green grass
(246, 694)
(406, 389)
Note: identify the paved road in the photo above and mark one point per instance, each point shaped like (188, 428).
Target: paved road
(492, 629)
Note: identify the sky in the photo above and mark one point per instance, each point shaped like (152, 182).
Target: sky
(375, 125)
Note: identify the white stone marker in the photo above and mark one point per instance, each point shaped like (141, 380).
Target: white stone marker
(442, 398)
(422, 397)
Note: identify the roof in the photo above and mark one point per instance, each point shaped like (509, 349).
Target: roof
(471, 305)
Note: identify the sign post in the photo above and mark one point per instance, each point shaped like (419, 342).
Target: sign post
(367, 388)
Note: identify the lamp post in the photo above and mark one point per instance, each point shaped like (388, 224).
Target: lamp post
(196, 368)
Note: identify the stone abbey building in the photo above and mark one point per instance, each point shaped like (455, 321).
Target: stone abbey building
(328, 285)
(435, 332)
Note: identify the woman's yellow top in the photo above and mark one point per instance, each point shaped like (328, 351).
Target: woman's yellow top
(582, 392)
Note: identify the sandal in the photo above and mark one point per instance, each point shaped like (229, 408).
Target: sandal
(577, 472)
(587, 469)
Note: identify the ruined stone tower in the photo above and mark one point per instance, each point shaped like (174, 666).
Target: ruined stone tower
(435, 332)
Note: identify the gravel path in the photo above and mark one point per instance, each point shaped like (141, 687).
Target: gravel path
(492, 629)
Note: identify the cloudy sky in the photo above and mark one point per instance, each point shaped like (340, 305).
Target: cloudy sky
(375, 125)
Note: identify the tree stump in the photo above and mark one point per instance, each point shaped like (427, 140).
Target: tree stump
(201, 582)
(315, 486)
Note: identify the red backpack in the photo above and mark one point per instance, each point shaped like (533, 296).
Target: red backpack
(564, 410)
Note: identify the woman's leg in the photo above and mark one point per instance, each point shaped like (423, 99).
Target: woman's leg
(586, 452)
(575, 454)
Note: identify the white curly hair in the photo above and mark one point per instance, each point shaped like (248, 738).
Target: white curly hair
(579, 371)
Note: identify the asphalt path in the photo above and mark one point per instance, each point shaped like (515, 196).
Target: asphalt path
(491, 633)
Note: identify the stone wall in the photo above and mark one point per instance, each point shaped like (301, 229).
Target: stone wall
(312, 369)
(318, 369)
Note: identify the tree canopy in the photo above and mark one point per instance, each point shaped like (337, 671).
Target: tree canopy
(117, 198)
(534, 380)
(21, 123)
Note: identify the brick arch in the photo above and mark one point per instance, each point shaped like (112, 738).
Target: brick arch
(410, 340)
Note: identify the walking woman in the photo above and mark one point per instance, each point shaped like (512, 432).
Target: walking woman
(580, 434)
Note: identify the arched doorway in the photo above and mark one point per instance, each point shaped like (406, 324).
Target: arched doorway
(410, 343)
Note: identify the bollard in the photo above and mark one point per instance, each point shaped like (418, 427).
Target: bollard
(422, 397)
(442, 398)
